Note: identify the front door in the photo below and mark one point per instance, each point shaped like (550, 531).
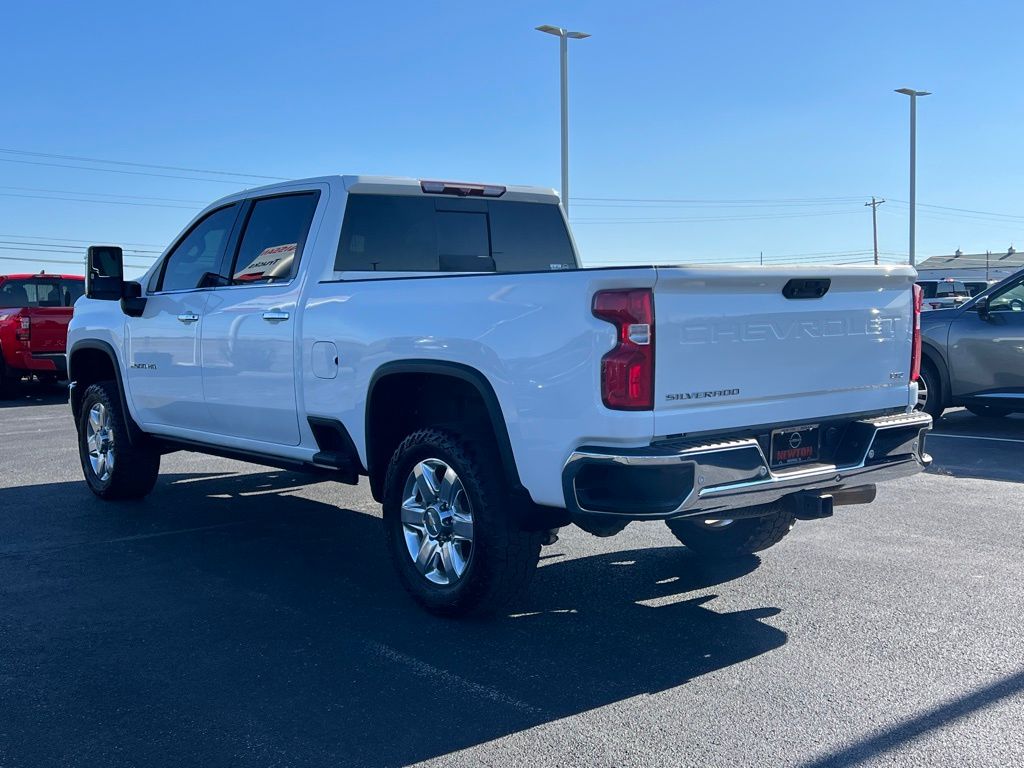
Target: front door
(987, 353)
(164, 374)
(249, 328)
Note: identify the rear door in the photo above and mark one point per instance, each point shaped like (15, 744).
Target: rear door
(986, 355)
(249, 332)
(732, 351)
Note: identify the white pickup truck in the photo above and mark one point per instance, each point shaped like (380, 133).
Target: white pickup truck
(443, 340)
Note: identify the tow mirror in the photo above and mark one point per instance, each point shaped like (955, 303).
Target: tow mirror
(104, 273)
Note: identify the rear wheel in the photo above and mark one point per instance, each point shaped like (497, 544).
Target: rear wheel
(114, 467)
(725, 538)
(989, 411)
(450, 529)
(930, 395)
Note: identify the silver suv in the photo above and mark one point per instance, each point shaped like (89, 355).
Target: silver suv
(971, 355)
(943, 294)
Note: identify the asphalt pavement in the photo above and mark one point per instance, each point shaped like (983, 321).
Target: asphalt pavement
(242, 615)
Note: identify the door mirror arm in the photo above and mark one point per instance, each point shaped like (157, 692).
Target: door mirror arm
(133, 303)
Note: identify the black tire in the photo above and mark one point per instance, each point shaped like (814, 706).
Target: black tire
(738, 537)
(934, 402)
(500, 559)
(989, 411)
(135, 466)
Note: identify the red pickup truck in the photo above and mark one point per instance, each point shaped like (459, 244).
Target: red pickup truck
(34, 314)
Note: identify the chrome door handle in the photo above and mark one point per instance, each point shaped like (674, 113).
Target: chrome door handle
(275, 315)
(188, 317)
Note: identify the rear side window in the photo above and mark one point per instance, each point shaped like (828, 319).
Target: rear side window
(199, 252)
(928, 290)
(272, 241)
(394, 233)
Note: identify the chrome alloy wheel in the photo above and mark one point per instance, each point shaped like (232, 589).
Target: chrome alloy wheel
(99, 439)
(437, 522)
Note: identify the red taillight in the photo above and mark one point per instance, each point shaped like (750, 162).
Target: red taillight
(627, 371)
(915, 349)
(24, 330)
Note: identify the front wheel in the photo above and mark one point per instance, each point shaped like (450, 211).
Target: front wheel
(728, 538)
(114, 468)
(449, 528)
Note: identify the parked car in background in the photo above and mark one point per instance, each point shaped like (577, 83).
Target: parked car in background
(979, 286)
(34, 314)
(972, 356)
(943, 294)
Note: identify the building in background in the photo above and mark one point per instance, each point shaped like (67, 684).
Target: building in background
(974, 266)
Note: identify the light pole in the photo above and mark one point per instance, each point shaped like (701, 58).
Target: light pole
(563, 36)
(913, 163)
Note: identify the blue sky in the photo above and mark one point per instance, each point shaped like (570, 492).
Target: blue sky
(779, 119)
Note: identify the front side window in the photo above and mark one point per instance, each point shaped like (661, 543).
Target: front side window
(395, 233)
(199, 252)
(271, 243)
(1010, 299)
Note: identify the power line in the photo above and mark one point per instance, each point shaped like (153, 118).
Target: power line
(26, 153)
(75, 240)
(71, 248)
(684, 219)
(98, 202)
(115, 170)
(105, 194)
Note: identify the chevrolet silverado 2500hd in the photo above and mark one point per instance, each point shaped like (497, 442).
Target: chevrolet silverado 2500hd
(443, 340)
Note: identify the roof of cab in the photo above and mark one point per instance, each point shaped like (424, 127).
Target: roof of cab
(396, 185)
(52, 275)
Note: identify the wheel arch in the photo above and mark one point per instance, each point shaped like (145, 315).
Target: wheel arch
(379, 437)
(90, 361)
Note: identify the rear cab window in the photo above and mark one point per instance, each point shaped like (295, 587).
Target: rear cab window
(40, 292)
(412, 233)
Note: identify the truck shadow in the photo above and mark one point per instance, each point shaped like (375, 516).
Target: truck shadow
(965, 445)
(29, 393)
(206, 627)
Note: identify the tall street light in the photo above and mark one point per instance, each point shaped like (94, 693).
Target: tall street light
(913, 164)
(563, 36)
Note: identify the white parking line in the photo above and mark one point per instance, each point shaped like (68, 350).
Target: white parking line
(975, 437)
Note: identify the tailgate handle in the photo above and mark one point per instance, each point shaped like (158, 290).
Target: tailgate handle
(806, 288)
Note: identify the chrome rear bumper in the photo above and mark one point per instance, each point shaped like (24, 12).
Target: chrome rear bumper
(693, 479)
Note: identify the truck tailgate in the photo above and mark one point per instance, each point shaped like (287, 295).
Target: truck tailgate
(732, 351)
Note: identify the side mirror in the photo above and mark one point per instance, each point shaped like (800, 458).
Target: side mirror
(981, 307)
(104, 279)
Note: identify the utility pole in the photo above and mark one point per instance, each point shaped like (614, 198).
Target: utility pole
(874, 222)
(564, 35)
(987, 255)
(913, 165)
(762, 258)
